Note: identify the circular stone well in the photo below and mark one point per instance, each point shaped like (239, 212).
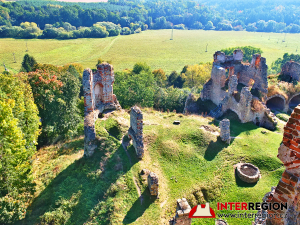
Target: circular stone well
(248, 172)
(220, 222)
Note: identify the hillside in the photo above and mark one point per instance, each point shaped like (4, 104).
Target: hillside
(190, 162)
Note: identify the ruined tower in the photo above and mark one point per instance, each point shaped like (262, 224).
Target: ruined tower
(98, 98)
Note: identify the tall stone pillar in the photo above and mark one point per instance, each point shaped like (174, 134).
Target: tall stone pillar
(232, 85)
(225, 130)
(89, 117)
(245, 104)
(135, 131)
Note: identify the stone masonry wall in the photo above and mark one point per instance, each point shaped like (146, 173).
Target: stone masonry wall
(232, 85)
(288, 188)
(225, 130)
(135, 131)
(182, 213)
(252, 76)
(153, 183)
(291, 69)
(256, 71)
(245, 104)
(98, 97)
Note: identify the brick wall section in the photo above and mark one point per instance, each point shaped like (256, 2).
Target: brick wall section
(288, 187)
(95, 103)
(135, 131)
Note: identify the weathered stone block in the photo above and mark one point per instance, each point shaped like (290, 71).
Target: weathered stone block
(225, 130)
(135, 131)
(153, 183)
(182, 213)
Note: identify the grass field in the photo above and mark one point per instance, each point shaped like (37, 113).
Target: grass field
(190, 162)
(153, 47)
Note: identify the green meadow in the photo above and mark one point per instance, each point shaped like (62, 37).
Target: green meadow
(153, 47)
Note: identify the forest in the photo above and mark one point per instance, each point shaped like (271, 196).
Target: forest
(49, 19)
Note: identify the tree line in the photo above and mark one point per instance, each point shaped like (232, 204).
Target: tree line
(75, 20)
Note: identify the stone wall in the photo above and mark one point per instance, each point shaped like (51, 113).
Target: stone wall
(191, 105)
(98, 97)
(135, 131)
(182, 213)
(291, 69)
(288, 188)
(256, 71)
(252, 75)
(225, 130)
(153, 183)
(232, 85)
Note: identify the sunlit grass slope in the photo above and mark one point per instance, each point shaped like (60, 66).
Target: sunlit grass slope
(190, 162)
(153, 47)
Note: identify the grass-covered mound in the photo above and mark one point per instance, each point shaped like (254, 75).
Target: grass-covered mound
(190, 162)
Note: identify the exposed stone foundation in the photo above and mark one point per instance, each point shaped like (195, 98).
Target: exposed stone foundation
(98, 97)
(135, 131)
(182, 213)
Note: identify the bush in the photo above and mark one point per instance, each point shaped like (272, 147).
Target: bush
(283, 116)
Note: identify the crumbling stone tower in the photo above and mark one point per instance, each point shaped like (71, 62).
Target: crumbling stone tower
(288, 188)
(135, 131)
(98, 98)
(222, 89)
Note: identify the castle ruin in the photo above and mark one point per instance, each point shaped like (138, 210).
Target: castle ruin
(98, 98)
(240, 87)
(290, 72)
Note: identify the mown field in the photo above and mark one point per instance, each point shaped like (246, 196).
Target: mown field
(153, 47)
(190, 162)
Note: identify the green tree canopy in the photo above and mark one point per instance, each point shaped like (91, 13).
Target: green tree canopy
(19, 129)
(141, 66)
(247, 50)
(56, 95)
(28, 63)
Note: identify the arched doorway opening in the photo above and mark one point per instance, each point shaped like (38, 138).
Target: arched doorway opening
(98, 93)
(294, 101)
(275, 103)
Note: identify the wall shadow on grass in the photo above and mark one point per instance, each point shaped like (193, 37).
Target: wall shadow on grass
(236, 127)
(214, 148)
(138, 209)
(83, 175)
